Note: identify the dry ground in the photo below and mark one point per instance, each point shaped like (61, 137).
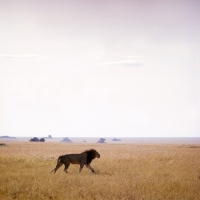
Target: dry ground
(122, 172)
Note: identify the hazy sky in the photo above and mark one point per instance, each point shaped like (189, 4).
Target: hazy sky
(100, 68)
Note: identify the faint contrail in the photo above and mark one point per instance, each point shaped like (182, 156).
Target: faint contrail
(128, 63)
(28, 57)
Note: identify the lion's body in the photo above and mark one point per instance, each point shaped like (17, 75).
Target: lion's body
(82, 159)
(73, 158)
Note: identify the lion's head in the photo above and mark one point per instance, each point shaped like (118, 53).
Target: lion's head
(91, 154)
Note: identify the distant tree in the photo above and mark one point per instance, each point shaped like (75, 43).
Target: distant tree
(35, 139)
(101, 140)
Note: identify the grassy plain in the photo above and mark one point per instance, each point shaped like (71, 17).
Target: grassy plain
(124, 171)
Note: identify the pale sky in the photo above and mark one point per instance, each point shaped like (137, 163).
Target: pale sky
(91, 68)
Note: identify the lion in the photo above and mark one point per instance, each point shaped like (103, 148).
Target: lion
(84, 158)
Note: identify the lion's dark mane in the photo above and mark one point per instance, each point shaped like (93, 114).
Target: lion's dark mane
(91, 154)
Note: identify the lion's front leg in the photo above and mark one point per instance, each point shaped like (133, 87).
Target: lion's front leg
(89, 167)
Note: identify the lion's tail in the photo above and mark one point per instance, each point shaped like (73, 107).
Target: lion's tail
(58, 165)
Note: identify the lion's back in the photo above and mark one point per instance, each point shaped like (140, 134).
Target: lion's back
(75, 158)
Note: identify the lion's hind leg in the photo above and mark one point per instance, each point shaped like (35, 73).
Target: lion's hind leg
(59, 164)
(66, 167)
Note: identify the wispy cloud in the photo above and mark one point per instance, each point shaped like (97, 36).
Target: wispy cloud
(132, 61)
(24, 57)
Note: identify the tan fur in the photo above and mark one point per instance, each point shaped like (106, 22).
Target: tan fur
(84, 158)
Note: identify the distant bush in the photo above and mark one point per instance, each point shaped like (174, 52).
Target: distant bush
(3, 144)
(35, 139)
(66, 139)
(115, 139)
(42, 140)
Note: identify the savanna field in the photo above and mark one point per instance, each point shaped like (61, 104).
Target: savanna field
(124, 171)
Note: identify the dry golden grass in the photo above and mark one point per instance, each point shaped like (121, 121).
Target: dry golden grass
(122, 172)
